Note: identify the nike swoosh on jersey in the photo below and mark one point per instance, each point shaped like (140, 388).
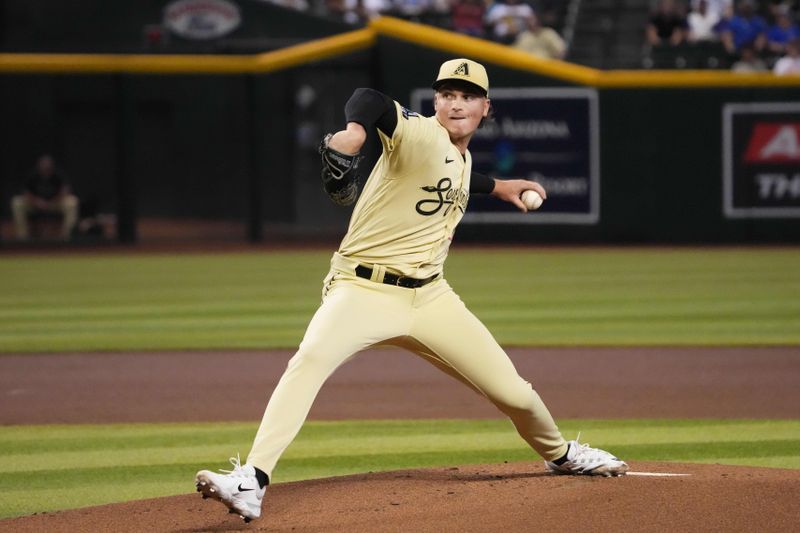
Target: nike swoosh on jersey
(448, 160)
(243, 489)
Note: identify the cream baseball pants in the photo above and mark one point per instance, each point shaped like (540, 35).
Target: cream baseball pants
(431, 322)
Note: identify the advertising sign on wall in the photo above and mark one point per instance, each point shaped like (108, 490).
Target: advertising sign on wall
(549, 135)
(761, 160)
(202, 19)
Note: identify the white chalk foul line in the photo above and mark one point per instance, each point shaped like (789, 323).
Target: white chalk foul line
(655, 474)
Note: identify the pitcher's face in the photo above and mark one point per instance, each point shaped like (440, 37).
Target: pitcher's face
(459, 112)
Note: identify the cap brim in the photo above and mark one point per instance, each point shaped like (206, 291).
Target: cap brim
(458, 81)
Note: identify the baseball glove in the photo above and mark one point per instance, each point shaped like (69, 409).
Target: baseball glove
(339, 173)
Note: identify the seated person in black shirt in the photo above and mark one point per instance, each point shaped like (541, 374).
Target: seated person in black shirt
(667, 25)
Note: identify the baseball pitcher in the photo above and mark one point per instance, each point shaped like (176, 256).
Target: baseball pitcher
(386, 284)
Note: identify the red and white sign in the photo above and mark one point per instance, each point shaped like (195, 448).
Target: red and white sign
(202, 19)
(761, 160)
(774, 143)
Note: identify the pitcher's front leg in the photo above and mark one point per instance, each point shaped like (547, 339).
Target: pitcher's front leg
(353, 316)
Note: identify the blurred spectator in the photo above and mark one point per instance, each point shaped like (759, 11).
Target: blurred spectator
(790, 63)
(724, 24)
(783, 31)
(547, 11)
(667, 25)
(749, 61)
(415, 10)
(717, 7)
(701, 22)
(46, 191)
(507, 19)
(339, 10)
(467, 17)
(439, 14)
(776, 6)
(355, 11)
(540, 41)
(745, 27)
(370, 9)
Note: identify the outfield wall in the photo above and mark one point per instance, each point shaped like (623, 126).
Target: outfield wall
(661, 156)
(235, 137)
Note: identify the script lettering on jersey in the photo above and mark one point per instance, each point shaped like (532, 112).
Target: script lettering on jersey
(408, 113)
(445, 196)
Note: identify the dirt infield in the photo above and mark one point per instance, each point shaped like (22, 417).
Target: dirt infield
(574, 382)
(585, 383)
(504, 498)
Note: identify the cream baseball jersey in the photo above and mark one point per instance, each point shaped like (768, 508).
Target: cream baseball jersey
(412, 201)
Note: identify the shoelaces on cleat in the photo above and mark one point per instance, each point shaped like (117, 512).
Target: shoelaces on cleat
(589, 453)
(238, 469)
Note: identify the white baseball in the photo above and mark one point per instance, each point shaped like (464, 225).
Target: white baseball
(531, 199)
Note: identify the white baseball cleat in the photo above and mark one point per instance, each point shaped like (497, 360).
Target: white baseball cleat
(238, 489)
(583, 460)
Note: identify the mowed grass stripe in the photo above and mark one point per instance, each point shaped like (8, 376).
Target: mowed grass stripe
(776, 461)
(55, 467)
(62, 444)
(54, 437)
(702, 333)
(112, 474)
(286, 330)
(20, 502)
(613, 309)
(165, 309)
(690, 451)
(525, 296)
(152, 324)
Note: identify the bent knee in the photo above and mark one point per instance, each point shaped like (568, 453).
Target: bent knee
(314, 354)
(519, 397)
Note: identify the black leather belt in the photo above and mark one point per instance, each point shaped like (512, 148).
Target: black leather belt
(393, 279)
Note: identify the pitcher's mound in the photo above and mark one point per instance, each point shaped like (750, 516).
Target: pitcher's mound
(506, 498)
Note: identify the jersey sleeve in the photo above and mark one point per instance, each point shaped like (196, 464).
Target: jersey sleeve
(412, 129)
(371, 108)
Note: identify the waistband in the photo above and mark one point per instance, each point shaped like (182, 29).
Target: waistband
(363, 271)
(378, 273)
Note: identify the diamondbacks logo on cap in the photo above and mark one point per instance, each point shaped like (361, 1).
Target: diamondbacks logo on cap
(463, 70)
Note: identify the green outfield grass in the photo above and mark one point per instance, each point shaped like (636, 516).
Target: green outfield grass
(57, 467)
(263, 299)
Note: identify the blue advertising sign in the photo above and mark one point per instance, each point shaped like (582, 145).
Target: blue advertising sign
(548, 135)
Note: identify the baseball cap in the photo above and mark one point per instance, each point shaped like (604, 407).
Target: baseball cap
(463, 70)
